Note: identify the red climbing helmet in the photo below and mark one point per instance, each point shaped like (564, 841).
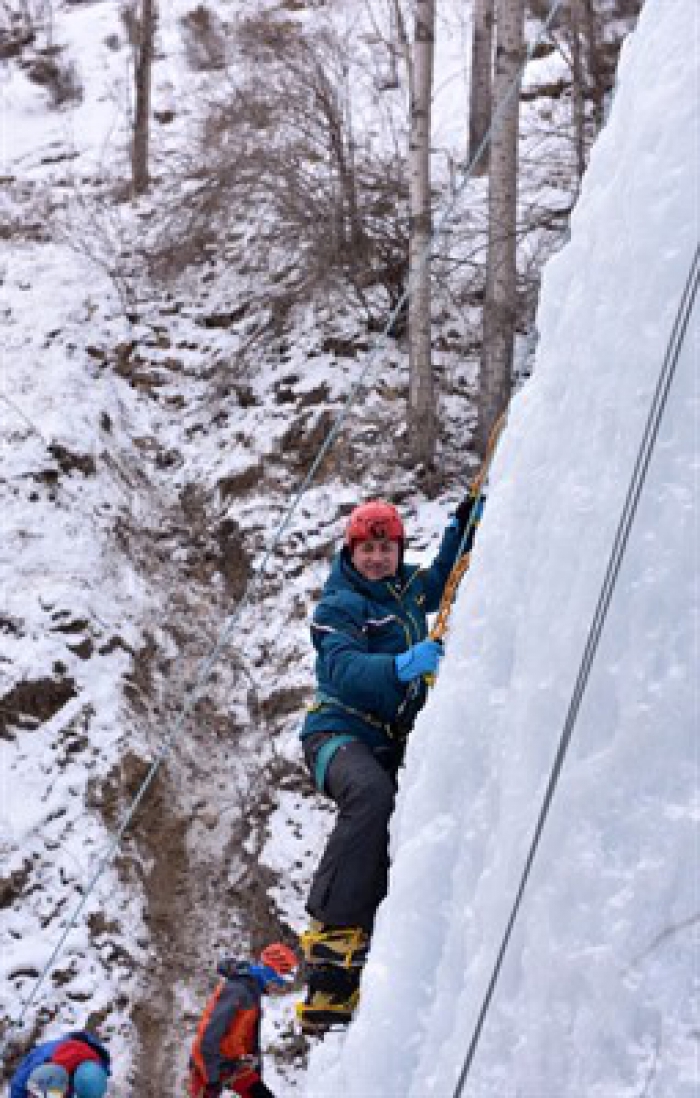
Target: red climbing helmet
(282, 960)
(374, 519)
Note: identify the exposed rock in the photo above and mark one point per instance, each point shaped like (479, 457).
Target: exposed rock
(224, 319)
(13, 884)
(31, 702)
(233, 562)
(237, 484)
(69, 461)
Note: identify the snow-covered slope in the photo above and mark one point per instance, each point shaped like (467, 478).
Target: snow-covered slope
(152, 436)
(598, 993)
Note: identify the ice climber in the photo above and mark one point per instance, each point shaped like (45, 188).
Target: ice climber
(226, 1052)
(76, 1065)
(370, 634)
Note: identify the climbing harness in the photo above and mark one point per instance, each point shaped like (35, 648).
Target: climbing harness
(322, 700)
(646, 447)
(395, 731)
(326, 755)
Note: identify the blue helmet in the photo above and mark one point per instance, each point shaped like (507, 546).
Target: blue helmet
(90, 1080)
(48, 1080)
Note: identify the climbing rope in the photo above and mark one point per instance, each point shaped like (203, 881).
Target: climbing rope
(641, 466)
(463, 560)
(254, 582)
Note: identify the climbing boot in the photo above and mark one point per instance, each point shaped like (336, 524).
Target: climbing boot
(332, 995)
(346, 946)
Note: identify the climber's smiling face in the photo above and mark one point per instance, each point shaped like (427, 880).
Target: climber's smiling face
(376, 558)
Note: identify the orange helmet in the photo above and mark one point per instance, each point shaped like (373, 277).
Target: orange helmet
(281, 959)
(374, 519)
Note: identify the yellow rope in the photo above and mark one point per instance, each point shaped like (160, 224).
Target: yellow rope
(461, 565)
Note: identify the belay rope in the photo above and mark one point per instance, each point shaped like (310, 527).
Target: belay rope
(461, 565)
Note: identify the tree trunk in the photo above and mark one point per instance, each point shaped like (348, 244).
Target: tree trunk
(480, 86)
(499, 316)
(143, 65)
(577, 88)
(595, 72)
(391, 80)
(421, 411)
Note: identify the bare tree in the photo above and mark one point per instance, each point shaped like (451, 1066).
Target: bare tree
(480, 82)
(387, 74)
(421, 403)
(596, 74)
(418, 58)
(578, 87)
(579, 46)
(276, 147)
(499, 314)
(143, 65)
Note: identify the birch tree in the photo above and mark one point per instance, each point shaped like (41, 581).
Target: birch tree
(499, 312)
(480, 82)
(578, 88)
(594, 63)
(422, 420)
(581, 51)
(143, 65)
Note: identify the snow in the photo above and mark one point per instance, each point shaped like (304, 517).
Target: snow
(598, 992)
(67, 576)
(90, 127)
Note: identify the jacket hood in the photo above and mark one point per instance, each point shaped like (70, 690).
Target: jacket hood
(229, 968)
(91, 1040)
(256, 974)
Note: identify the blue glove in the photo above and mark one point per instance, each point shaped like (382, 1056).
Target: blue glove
(422, 659)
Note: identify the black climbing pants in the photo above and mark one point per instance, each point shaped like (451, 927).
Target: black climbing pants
(352, 877)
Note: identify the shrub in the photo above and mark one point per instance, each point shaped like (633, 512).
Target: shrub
(204, 39)
(279, 142)
(58, 75)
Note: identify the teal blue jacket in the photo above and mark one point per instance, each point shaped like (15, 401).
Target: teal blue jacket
(359, 626)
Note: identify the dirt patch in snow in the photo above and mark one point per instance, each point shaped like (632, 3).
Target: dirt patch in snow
(160, 835)
(31, 702)
(196, 911)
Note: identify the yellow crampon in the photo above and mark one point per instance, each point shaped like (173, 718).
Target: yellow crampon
(331, 999)
(344, 946)
(324, 1012)
(334, 956)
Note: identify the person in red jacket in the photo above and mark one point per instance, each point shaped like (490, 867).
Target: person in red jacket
(226, 1050)
(76, 1065)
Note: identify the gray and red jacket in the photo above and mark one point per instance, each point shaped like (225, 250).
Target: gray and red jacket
(229, 1029)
